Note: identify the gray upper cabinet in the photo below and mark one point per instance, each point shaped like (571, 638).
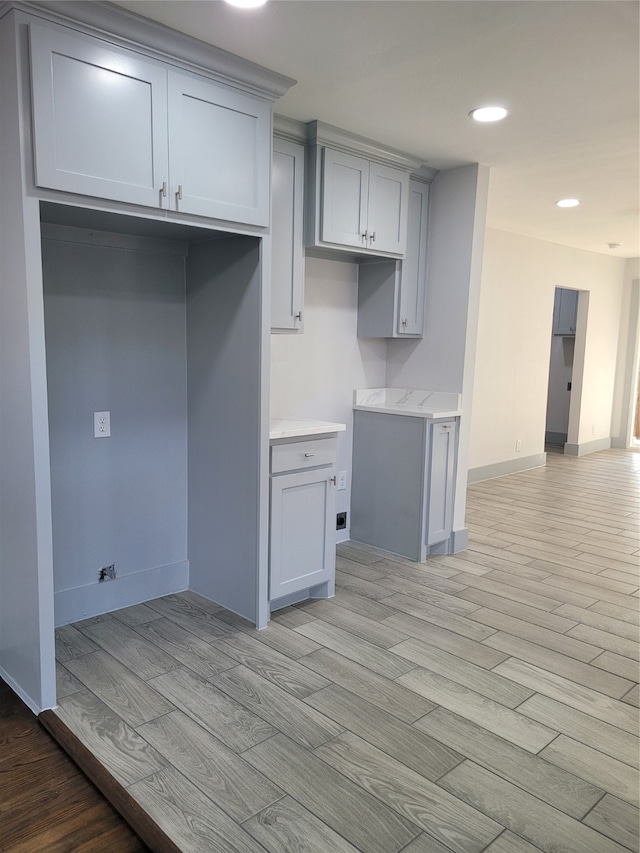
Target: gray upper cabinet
(357, 194)
(391, 294)
(99, 116)
(364, 204)
(565, 312)
(287, 245)
(112, 123)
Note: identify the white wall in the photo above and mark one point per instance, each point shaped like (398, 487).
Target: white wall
(519, 278)
(626, 387)
(313, 375)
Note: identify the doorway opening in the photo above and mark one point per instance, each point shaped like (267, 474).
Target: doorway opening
(565, 310)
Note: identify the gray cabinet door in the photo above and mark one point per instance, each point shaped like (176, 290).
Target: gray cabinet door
(413, 271)
(302, 546)
(391, 294)
(287, 247)
(219, 150)
(99, 116)
(388, 207)
(345, 199)
(442, 441)
(565, 312)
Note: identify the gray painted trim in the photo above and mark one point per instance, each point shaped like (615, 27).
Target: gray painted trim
(588, 447)
(73, 234)
(4, 675)
(619, 443)
(97, 598)
(319, 133)
(135, 32)
(509, 466)
(459, 540)
(555, 437)
(290, 129)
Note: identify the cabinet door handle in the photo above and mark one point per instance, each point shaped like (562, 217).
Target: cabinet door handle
(446, 426)
(333, 480)
(309, 455)
(179, 193)
(373, 237)
(163, 191)
(298, 316)
(404, 323)
(365, 236)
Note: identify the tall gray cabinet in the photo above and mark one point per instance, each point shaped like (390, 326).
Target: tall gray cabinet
(134, 278)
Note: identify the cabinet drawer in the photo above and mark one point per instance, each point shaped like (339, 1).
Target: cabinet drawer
(303, 454)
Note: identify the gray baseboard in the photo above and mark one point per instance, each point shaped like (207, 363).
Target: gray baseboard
(459, 540)
(555, 437)
(509, 466)
(71, 605)
(588, 447)
(619, 443)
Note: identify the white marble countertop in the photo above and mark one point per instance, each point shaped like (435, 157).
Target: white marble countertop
(408, 401)
(293, 427)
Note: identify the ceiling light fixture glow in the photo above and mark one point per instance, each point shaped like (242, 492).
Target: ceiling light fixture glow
(246, 4)
(486, 114)
(568, 202)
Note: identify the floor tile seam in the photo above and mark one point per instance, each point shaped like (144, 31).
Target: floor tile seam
(136, 674)
(580, 687)
(535, 755)
(603, 649)
(598, 786)
(117, 712)
(377, 707)
(520, 788)
(208, 733)
(560, 633)
(550, 650)
(385, 802)
(307, 809)
(133, 673)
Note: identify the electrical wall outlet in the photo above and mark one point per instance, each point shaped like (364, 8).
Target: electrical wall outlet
(341, 520)
(342, 480)
(101, 424)
(107, 573)
(518, 445)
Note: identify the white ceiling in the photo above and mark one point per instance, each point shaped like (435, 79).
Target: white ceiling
(407, 73)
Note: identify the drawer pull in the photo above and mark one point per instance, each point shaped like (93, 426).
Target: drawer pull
(309, 455)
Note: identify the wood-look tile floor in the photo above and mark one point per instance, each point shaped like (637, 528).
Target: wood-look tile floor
(486, 701)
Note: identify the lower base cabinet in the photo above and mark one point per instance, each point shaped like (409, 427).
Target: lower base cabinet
(302, 526)
(403, 480)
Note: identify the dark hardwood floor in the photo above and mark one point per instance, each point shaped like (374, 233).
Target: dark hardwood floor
(46, 804)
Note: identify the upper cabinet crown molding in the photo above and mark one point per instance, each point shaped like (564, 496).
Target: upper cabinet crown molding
(319, 133)
(289, 129)
(135, 32)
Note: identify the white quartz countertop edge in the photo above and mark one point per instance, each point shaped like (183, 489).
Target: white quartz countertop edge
(300, 427)
(418, 403)
(413, 413)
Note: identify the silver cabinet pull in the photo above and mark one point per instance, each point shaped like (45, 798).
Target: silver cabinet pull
(333, 480)
(404, 323)
(309, 455)
(298, 316)
(365, 236)
(163, 191)
(179, 193)
(373, 237)
(447, 426)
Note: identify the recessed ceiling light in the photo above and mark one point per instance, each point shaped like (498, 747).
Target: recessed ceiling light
(489, 113)
(246, 4)
(568, 202)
